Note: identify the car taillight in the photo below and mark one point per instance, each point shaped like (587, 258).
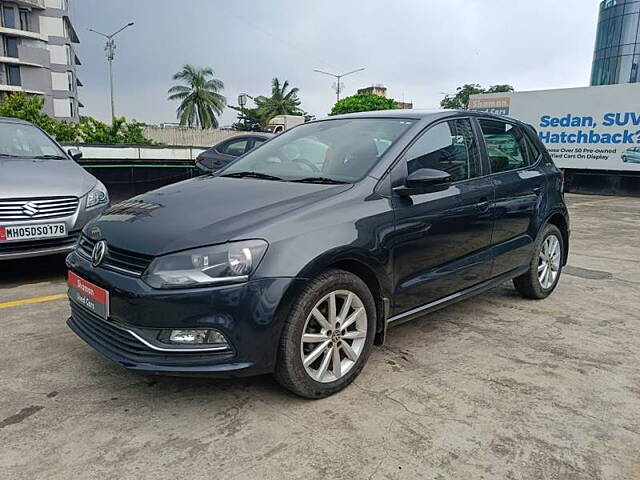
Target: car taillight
(199, 158)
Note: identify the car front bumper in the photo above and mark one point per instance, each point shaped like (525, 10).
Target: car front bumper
(39, 248)
(248, 315)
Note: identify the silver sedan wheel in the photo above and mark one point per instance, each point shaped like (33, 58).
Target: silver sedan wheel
(549, 262)
(334, 336)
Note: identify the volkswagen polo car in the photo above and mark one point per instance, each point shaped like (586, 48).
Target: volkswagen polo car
(303, 257)
(45, 196)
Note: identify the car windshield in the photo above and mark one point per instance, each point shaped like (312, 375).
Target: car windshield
(26, 141)
(328, 151)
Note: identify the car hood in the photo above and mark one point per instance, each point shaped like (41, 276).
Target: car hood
(202, 211)
(20, 178)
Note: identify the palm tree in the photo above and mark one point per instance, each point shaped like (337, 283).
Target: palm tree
(200, 98)
(281, 102)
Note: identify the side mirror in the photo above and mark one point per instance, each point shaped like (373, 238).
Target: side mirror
(424, 180)
(75, 154)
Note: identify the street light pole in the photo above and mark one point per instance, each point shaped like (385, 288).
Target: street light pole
(338, 77)
(110, 51)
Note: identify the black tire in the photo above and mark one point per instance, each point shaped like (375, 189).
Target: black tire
(528, 284)
(290, 371)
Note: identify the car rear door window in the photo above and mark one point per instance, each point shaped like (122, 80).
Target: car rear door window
(508, 147)
(235, 148)
(449, 146)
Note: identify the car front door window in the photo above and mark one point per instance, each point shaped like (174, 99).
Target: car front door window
(448, 146)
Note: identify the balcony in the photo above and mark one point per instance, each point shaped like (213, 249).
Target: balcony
(30, 3)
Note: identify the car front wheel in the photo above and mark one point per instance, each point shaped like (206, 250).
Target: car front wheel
(328, 335)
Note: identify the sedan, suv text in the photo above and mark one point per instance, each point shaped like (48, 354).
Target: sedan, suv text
(301, 261)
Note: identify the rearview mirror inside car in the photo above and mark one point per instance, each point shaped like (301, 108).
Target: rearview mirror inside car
(424, 180)
(75, 154)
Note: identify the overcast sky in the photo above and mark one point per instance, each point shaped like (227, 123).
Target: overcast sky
(417, 48)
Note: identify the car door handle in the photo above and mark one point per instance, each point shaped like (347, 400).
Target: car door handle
(483, 205)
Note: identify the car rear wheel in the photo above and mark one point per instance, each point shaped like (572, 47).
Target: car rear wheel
(545, 267)
(328, 335)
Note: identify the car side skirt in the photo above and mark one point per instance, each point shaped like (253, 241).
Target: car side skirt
(456, 297)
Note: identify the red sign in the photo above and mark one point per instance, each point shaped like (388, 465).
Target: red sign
(3, 234)
(88, 295)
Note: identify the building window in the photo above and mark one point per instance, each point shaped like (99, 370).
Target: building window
(13, 75)
(11, 47)
(72, 107)
(8, 17)
(25, 21)
(65, 5)
(69, 54)
(71, 81)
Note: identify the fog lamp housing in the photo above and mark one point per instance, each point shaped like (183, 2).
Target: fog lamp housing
(193, 336)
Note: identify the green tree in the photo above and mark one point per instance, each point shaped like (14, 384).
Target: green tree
(460, 101)
(281, 101)
(200, 99)
(249, 120)
(88, 130)
(363, 102)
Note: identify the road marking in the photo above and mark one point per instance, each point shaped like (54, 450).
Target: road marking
(31, 301)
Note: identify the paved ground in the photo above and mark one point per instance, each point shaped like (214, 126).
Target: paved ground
(496, 387)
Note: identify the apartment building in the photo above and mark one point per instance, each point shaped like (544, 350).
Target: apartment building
(37, 54)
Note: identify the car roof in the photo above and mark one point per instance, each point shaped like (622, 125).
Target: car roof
(246, 135)
(419, 114)
(14, 120)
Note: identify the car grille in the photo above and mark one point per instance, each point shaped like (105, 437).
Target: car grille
(115, 259)
(18, 209)
(34, 245)
(121, 343)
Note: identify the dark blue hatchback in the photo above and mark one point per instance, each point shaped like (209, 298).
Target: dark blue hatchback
(314, 244)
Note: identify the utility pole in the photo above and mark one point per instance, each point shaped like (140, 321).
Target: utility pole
(338, 77)
(110, 51)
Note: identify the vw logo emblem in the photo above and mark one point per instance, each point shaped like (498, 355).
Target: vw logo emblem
(30, 209)
(97, 255)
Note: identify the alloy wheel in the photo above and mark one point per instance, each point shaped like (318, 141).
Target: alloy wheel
(334, 336)
(549, 262)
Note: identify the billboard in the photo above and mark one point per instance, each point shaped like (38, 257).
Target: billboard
(596, 128)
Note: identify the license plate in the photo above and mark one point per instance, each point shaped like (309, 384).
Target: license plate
(88, 295)
(32, 232)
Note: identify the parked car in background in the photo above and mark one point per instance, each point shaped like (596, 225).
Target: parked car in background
(312, 245)
(631, 155)
(228, 150)
(45, 196)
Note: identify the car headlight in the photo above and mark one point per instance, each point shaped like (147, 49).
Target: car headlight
(227, 263)
(97, 196)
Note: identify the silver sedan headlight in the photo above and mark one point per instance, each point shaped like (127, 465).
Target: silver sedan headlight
(219, 264)
(98, 196)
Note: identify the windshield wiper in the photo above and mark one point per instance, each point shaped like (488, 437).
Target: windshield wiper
(263, 176)
(51, 157)
(332, 181)
(8, 155)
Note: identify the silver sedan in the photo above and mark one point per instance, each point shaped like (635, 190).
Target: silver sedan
(45, 196)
